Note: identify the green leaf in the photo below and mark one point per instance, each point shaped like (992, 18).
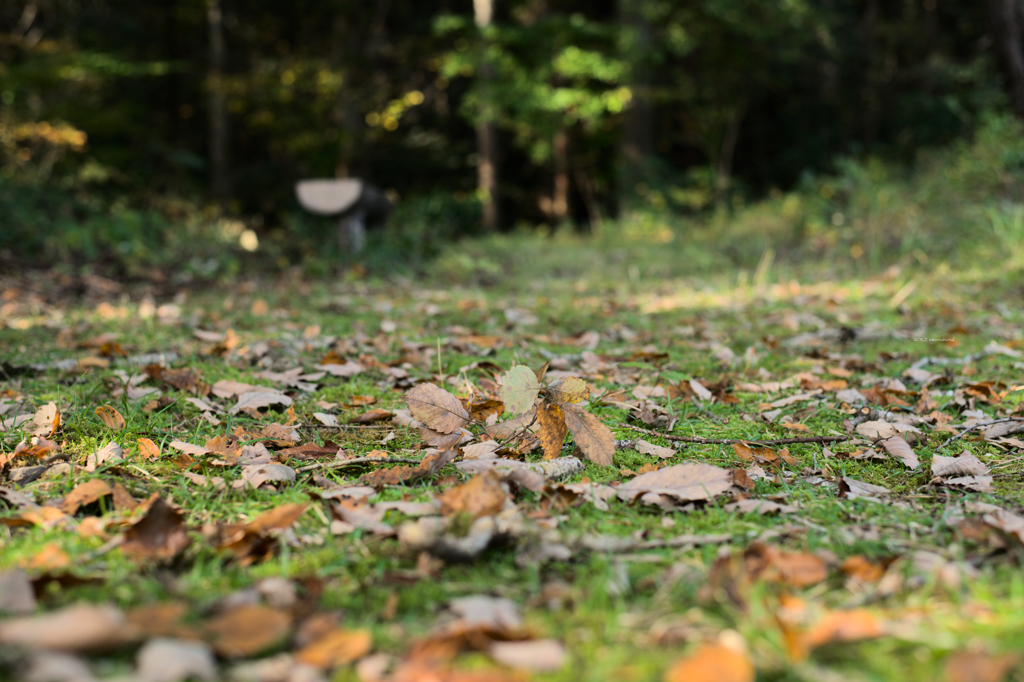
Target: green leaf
(519, 389)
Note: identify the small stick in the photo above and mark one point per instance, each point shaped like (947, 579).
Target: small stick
(730, 441)
(356, 461)
(978, 426)
(357, 427)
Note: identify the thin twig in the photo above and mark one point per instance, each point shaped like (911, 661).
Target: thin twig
(978, 426)
(357, 427)
(355, 461)
(730, 441)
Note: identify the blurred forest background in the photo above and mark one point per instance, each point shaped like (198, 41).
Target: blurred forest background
(163, 139)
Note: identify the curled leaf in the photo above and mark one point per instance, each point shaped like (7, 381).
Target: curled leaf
(111, 417)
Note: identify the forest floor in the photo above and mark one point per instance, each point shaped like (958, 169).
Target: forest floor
(808, 480)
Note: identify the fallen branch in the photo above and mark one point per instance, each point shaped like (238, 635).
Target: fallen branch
(356, 461)
(357, 427)
(730, 441)
(978, 426)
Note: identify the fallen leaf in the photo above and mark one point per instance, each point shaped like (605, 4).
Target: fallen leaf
(83, 494)
(540, 655)
(160, 535)
(188, 448)
(591, 435)
(165, 660)
(796, 569)
(336, 648)
(247, 630)
(111, 417)
(964, 464)
(863, 569)
(551, 429)
(646, 448)
(684, 482)
(38, 447)
(16, 594)
(256, 540)
(843, 626)
(82, 627)
(326, 419)
(253, 400)
(436, 408)
(372, 416)
(712, 663)
(568, 390)
(519, 389)
(482, 495)
(851, 488)
(978, 666)
(148, 449)
(46, 421)
(257, 475)
(901, 450)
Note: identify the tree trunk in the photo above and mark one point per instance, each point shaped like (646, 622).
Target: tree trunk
(218, 109)
(637, 144)
(560, 190)
(1006, 17)
(723, 165)
(486, 134)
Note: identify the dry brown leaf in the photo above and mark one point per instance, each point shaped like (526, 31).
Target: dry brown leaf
(188, 448)
(186, 379)
(83, 494)
(646, 448)
(371, 416)
(591, 435)
(964, 464)
(50, 557)
(255, 541)
(148, 449)
(712, 663)
(16, 593)
(851, 488)
(46, 421)
(796, 569)
(38, 447)
(978, 666)
(541, 655)
(438, 409)
(336, 648)
(569, 390)
(481, 495)
(863, 569)
(263, 397)
(843, 626)
(405, 475)
(111, 417)
(685, 482)
(551, 429)
(247, 630)
(160, 535)
(82, 627)
(901, 450)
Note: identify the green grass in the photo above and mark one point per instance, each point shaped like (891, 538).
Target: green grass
(609, 632)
